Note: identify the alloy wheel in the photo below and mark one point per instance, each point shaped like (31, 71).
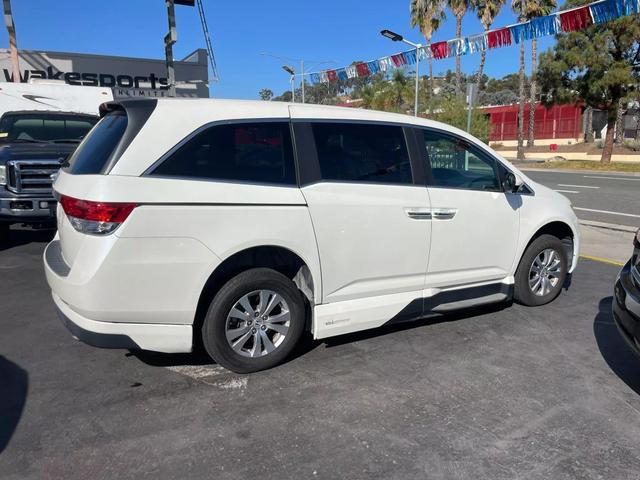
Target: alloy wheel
(545, 271)
(258, 323)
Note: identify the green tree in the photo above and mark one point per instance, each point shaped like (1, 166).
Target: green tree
(452, 110)
(266, 94)
(459, 8)
(599, 65)
(396, 95)
(428, 16)
(486, 10)
(531, 9)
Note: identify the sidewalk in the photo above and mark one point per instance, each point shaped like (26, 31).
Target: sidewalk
(604, 244)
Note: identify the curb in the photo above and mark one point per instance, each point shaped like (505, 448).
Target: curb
(608, 226)
(560, 170)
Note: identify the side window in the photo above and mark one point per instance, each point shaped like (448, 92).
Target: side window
(456, 163)
(244, 152)
(362, 153)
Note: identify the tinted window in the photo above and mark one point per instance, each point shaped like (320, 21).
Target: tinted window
(44, 127)
(362, 152)
(245, 152)
(456, 163)
(92, 154)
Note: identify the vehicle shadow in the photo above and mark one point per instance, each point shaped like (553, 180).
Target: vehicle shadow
(14, 382)
(24, 236)
(618, 355)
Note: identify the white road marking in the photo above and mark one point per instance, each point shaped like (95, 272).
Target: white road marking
(607, 211)
(566, 191)
(198, 372)
(613, 178)
(576, 186)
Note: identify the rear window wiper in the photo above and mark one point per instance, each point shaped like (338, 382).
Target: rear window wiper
(65, 140)
(25, 140)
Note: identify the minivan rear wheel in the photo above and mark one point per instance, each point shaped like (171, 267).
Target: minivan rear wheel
(254, 321)
(541, 272)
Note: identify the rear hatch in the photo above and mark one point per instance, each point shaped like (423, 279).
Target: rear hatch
(83, 217)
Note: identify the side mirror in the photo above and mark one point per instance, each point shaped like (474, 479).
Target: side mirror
(511, 182)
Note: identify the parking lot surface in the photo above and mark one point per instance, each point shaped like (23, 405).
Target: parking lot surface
(544, 393)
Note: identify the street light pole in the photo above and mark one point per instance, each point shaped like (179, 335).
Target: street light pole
(315, 63)
(302, 78)
(396, 37)
(291, 72)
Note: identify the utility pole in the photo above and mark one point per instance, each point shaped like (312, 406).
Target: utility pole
(13, 45)
(472, 89)
(170, 38)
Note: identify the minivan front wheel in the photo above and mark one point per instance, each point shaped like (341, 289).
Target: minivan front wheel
(254, 321)
(541, 272)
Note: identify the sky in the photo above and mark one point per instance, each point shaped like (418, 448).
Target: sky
(333, 31)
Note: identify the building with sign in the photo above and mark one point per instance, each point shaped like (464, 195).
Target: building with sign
(127, 76)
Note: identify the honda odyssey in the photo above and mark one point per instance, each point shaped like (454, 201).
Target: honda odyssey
(239, 225)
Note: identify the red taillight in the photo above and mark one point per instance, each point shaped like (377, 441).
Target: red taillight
(95, 217)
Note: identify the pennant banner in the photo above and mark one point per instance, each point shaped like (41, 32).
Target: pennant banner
(565, 21)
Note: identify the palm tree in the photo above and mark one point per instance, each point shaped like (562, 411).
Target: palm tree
(519, 8)
(459, 8)
(530, 9)
(427, 15)
(486, 10)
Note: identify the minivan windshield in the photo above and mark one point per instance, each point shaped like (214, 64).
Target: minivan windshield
(39, 127)
(94, 152)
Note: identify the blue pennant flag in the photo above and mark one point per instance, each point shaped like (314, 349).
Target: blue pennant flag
(342, 74)
(410, 57)
(314, 78)
(373, 67)
(542, 26)
(521, 32)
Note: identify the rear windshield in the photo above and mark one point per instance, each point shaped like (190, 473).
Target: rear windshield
(94, 152)
(42, 127)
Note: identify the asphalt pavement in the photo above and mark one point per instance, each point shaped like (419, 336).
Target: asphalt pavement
(502, 393)
(598, 196)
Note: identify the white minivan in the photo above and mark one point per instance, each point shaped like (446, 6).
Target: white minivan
(239, 225)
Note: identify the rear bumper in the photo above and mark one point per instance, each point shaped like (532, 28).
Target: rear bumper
(626, 308)
(155, 337)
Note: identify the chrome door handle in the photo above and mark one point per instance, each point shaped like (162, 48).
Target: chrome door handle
(444, 213)
(418, 213)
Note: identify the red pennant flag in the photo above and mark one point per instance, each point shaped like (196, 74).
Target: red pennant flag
(332, 75)
(398, 60)
(577, 19)
(440, 50)
(362, 69)
(499, 38)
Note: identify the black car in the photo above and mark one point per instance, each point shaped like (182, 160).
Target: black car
(33, 146)
(626, 303)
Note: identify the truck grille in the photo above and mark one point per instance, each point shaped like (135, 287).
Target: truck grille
(31, 176)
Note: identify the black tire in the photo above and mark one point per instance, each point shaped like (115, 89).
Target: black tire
(523, 293)
(4, 232)
(214, 328)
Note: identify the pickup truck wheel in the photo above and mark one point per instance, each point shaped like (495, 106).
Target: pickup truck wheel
(254, 321)
(541, 272)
